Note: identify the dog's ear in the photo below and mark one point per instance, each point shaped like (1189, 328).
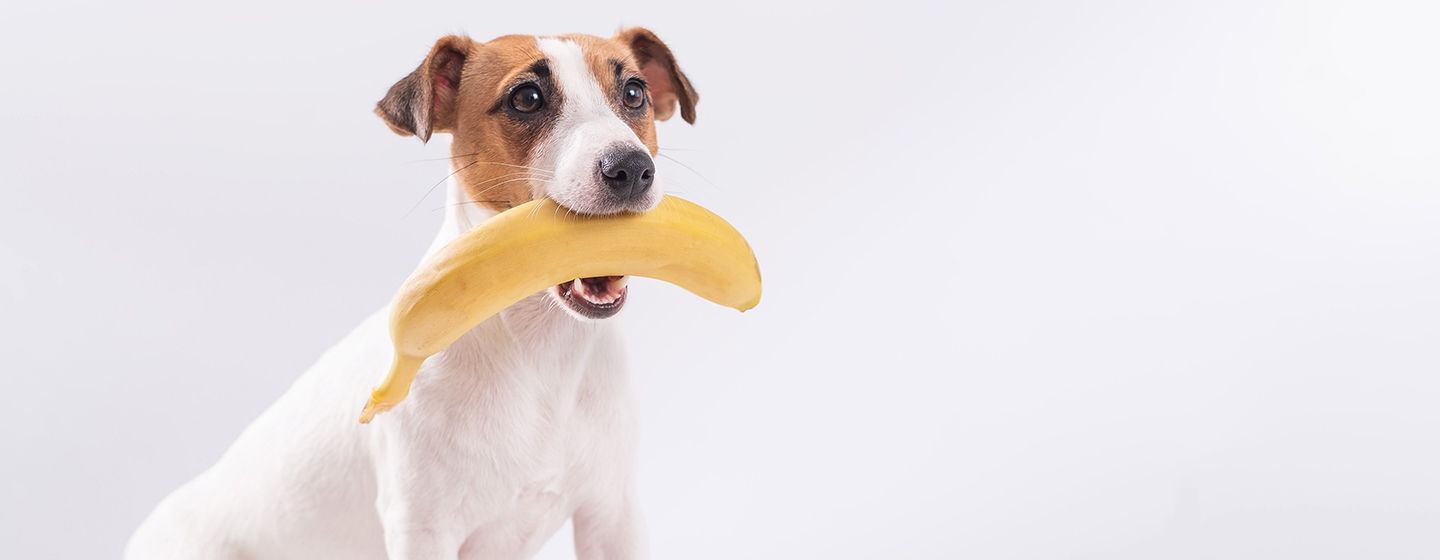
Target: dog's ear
(668, 85)
(424, 101)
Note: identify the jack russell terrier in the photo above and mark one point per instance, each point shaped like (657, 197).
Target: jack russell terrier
(529, 419)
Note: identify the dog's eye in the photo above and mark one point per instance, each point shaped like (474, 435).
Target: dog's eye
(633, 95)
(527, 99)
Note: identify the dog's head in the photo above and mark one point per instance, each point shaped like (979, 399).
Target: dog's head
(571, 118)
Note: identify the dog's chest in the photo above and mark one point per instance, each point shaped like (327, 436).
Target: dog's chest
(526, 438)
(532, 467)
(517, 503)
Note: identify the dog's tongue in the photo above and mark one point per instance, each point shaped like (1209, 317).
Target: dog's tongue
(600, 289)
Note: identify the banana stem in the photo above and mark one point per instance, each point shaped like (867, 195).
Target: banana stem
(393, 389)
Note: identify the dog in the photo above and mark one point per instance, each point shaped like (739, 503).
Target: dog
(526, 421)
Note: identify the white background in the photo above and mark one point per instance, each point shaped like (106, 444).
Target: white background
(1043, 280)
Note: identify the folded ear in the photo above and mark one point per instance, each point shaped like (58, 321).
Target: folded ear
(424, 101)
(668, 85)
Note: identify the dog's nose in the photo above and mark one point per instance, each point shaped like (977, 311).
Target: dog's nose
(629, 173)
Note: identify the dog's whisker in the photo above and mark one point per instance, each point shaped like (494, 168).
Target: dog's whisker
(432, 189)
(522, 174)
(697, 195)
(537, 169)
(670, 205)
(682, 186)
(487, 189)
(692, 170)
(501, 163)
(669, 182)
(441, 159)
(454, 204)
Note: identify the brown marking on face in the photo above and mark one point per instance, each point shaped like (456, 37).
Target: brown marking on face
(465, 88)
(604, 57)
(668, 85)
(492, 141)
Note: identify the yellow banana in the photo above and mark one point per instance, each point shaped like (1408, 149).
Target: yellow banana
(539, 244)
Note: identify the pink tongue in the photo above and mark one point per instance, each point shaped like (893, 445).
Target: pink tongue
(599, 285)
(602, 286)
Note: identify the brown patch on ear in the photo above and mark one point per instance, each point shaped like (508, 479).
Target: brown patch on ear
(424, 102)
(668, 85)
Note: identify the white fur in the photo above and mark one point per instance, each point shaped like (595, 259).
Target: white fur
(587, 127)
(526, 421)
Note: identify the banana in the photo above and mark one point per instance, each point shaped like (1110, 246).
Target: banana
(539, 244)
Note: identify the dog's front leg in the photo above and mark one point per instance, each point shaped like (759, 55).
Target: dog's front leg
(416, 507)
(406, 538)
(610, 531)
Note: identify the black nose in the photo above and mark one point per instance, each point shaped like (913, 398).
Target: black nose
(628, 172)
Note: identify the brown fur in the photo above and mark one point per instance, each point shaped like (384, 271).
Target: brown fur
(463, 86)
(668, 85)
(600, 56)
(424, 101)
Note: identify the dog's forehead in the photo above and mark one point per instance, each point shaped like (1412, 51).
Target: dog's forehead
(513, 54)
(496, 61)
(601, 54)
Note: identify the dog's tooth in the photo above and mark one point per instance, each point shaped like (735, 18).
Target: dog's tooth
(620, 284)
(578, 287)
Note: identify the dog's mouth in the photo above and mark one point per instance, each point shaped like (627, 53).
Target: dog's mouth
(600, 297)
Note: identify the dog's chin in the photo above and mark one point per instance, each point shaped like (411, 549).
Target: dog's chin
(592, 298)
